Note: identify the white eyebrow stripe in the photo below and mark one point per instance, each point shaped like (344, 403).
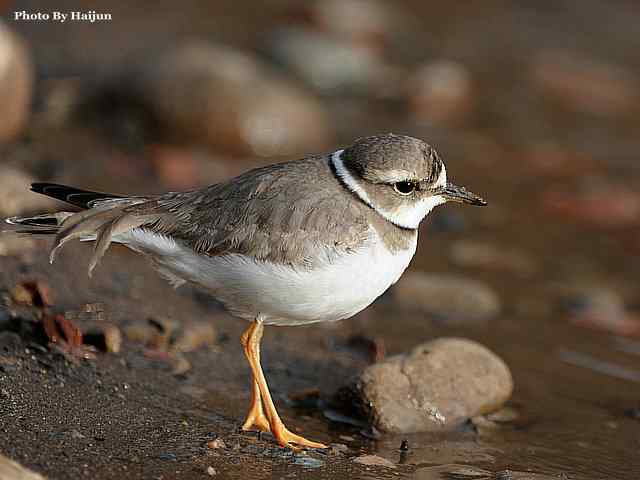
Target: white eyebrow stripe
(393, 176)
(406, 218)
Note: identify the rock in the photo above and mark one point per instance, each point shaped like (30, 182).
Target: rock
(437, 386)
(16, 84)
(325, 63)
(229, 101)
(211, 471)
(10, 470)
(600, 308)
(15, 197)
(216, 444)
(450, 298)
(470, 253)
(364, 22)
(449, 471)
(104, 336)
(442, 472)
(373, 460)
(556, 161)
(585, 84)
(441, 92)
(608, 206)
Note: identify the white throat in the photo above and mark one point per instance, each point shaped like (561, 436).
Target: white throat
(405, 217)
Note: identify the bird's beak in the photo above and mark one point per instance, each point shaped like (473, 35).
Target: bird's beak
(458, 194)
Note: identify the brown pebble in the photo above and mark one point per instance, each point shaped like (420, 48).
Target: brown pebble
(441, 92)
(232, 102)
(218, 443)
(453, 299)
(374, 460)
(105, 336)
(33, 293)
(585, 84)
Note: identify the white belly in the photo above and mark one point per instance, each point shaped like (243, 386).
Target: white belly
(280, 294)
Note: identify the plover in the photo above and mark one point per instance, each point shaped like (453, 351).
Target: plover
(294, 243)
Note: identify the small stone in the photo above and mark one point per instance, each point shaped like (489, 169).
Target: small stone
(374, 460)
(211, 471)
(104, 336)
(194, 335)
(16, 84)
(470, 253)
(608, 206)
(363, 22)
(633, 413)
(9, 364)
(325, 63)
(600, 308)
(556, 161)
(339, 448)
(437, 386)
(216, 444)
(440, 472)
(449, 298)
(33, 293)
(585, 84)
(441, 92)
(231, 102)
(76, 435)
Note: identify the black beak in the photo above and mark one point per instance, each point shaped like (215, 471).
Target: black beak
(458, 194)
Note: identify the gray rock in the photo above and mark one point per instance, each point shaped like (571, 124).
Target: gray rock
(437, 386)
(486, 256)
(224, 99)
(466, 472)
(450, 298)
(584, 84)
(441, 92)
(374, 460)
(326, 63)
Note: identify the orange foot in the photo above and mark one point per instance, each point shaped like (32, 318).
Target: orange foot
(256, 417)
(285, 438)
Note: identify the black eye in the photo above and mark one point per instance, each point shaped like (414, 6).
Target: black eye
(405, 188)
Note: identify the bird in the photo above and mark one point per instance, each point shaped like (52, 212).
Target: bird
(294, 243)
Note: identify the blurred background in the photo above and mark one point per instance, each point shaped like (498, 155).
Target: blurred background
(533, 105)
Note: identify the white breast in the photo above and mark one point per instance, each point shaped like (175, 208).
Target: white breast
(281, 294)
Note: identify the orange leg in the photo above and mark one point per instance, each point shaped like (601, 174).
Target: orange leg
(251, 342)
(256, 417)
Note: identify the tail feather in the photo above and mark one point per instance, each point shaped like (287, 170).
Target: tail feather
(102, 223)
(106, 233)
(45, 224)
(74, 196)
(105, 217)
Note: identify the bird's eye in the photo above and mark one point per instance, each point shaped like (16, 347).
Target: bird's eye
(405, 188)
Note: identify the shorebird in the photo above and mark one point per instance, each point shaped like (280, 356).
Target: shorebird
(294, 243)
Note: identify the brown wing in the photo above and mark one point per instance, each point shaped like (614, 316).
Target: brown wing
(285, 213)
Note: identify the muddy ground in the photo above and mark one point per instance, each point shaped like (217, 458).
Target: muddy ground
(549, 159)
